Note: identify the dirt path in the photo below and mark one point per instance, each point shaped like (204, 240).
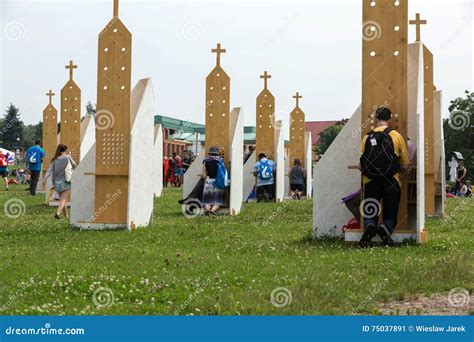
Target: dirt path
(456, 302)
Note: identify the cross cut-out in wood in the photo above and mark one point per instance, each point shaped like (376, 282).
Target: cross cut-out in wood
(218, 50)
(265, 78)
(71, 68)
(297, 97)
(418, 22)
(50, 94)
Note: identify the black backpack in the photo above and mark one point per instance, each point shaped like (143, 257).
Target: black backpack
(379, 160)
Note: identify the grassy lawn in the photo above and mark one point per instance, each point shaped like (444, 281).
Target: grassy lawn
(218, 266)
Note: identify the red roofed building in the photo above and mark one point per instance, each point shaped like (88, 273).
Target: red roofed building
(316, 127)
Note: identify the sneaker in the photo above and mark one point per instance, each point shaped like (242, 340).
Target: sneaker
(369, 233)
(57, 217)
(384, 234)
(7, 189)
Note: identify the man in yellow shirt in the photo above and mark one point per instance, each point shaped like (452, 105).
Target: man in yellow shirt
(384, 159)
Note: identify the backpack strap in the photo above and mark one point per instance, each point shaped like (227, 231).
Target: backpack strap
(387, 130)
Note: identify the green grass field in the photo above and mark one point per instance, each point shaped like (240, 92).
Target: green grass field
(218, 266)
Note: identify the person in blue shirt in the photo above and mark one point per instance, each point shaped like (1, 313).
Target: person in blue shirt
(34, 158)
(264, 172)
(4, 169)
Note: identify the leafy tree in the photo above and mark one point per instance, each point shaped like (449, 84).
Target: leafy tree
(90, 109)
(459, 129)
(11, 130)
(327, 136)
(32, 133)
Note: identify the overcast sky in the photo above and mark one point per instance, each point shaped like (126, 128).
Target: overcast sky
(313, 47)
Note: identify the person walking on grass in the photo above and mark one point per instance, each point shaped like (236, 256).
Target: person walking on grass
(384, 158)
(4, 169)
(264, 171)
(213, 198)
(34, 158)
(57, 170)
(297, 179)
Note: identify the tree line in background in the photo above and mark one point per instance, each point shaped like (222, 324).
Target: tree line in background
(15, 135)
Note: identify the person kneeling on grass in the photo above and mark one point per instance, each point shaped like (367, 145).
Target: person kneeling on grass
(213, 198)
(297, 180)
(384, 158)
(264, 171)
(57, 170)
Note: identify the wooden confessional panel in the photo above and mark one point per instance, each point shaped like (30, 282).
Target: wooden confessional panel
(265, 124)
(429, 88)
(71, 119)
(384, 70)
(218, 111)
(113, 121)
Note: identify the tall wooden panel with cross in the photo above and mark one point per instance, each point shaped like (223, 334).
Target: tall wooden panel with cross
(297, 133)
(71, 115)
(50, 132)
(218, 107)
(265, 120)
(384, 70)
(113, 121)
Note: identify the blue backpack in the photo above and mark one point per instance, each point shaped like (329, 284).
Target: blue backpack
(222, 178)
(265, 172)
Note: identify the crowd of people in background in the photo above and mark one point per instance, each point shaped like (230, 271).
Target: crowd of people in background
(175, 167)
(462, 186)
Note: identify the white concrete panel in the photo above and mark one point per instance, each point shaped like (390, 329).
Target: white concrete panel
(416, 101)
(158, 162)
(83, 191)
(237, 161)
(440, 156)
(191, 177)
(142, 145)
(309, 164)
(287, 177)
(333, 180)
(248, 177)
(87, 136)
(280, 161)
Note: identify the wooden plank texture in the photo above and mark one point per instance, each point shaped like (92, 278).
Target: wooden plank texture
(113, 121)
(265, 121)
(218, 108)
(384, 70)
